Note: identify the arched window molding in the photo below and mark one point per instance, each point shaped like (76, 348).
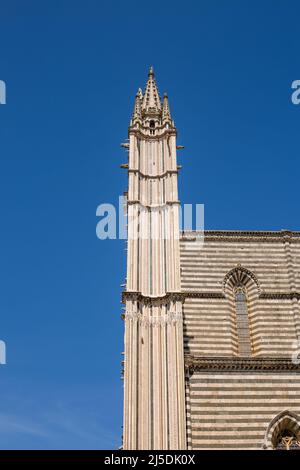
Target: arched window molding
(283, 432)
(241, 288)
(240, 276)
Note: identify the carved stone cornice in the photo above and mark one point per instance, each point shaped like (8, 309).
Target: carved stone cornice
(162, 175)
(244, 236)
(263, 295)
(148, 300)
(280, 295)
(201, 295)
(240, 364)
(204, 295)
(144, 132)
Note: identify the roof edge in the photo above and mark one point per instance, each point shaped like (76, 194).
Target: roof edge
(241, 235)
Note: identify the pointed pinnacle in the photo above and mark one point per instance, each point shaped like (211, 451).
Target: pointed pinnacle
(151, 100)
(166, 115)
(137, 105)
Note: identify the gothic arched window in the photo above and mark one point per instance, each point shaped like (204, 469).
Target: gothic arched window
(287, 440)
(283, 432)
(242, 322)
(242, 290)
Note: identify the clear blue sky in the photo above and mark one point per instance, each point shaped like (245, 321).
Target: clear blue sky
(72, 69)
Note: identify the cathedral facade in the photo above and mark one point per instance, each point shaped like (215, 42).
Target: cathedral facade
(212, 330)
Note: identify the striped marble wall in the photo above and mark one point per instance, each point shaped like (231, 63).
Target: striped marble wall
(233, 409)
(209, 311)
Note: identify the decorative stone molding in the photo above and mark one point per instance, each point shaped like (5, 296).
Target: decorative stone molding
(142, 132)
(204, 295)
(156, 301)
(181, 296)
(244, 236)
(280, 295)
(170, 296)
(240, 276)
(157, 320)
(150, 177)
(242, 364)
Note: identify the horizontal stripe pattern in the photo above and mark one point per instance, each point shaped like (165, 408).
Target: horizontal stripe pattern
(233, 411)
(210, 323)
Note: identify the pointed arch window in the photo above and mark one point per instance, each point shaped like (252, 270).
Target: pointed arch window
(242, 322)
(283, 432)
(287, 440)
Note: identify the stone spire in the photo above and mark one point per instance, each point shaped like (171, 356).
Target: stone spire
(151, 101)
(166, 115)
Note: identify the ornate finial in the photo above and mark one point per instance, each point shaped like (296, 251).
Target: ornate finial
(151, 70)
